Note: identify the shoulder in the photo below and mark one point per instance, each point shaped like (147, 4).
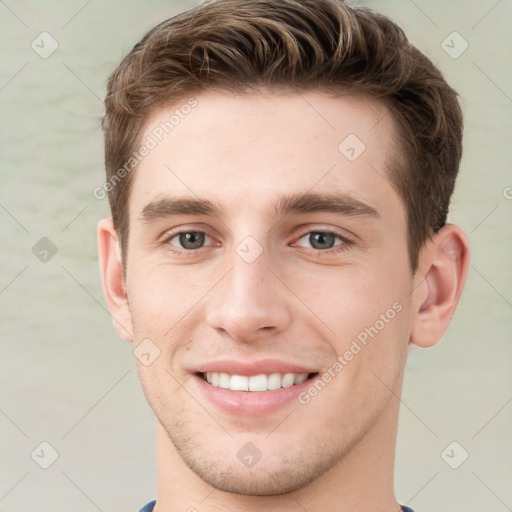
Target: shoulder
(151, 504)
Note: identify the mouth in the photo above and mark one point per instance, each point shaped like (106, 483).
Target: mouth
(249, 393)
(255, 383)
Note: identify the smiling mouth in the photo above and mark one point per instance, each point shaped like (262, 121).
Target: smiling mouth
(261, 382)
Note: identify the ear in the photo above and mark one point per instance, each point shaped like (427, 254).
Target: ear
(113, 279)
(444, 264)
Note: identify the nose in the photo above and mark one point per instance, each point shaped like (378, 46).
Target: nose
(250, 302)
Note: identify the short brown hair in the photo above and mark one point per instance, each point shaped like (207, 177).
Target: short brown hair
(246, 45)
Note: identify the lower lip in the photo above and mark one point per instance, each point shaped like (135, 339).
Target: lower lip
(251, 403)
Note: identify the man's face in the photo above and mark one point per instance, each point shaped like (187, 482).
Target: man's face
(263, 283)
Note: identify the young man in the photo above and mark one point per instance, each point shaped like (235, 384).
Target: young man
(279, 174)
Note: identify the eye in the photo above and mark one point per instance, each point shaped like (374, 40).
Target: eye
(189, 240)
(322, 240)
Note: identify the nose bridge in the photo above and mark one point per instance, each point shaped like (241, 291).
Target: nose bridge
(248, 299)
(249, 282)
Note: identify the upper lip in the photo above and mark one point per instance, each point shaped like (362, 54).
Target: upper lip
(248, 368)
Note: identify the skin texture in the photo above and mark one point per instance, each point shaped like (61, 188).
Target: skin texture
(295, 302)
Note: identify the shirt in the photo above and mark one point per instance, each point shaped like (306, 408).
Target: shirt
(151, 504)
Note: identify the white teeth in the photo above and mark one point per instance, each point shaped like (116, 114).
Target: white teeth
(224, 380)
(274, 381)
(238, 383)
(288, 380)
(260, 382)
(301, 377)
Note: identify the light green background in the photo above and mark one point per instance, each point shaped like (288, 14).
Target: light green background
(67, 379)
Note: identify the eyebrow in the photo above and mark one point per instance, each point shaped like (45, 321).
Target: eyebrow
(169, 206)
(342, 204)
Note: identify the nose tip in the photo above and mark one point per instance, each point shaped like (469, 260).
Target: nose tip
(247, 304)
(245, 331)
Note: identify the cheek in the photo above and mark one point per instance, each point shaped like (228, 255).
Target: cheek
(367, 312)
(162, 295)
(351, 298)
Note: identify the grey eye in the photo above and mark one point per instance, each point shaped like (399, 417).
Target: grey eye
(190, 240)
(319, 240)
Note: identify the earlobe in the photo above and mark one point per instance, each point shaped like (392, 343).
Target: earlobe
(113, 279)
(444, 263)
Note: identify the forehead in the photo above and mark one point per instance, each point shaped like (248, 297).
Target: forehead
(233, 147)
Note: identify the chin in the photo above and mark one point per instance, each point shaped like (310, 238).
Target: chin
(263, 482)
(280, 470)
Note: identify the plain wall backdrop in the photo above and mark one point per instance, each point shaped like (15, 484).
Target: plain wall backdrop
(69, 381)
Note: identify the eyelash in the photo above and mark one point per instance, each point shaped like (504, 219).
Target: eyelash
(345, 244)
